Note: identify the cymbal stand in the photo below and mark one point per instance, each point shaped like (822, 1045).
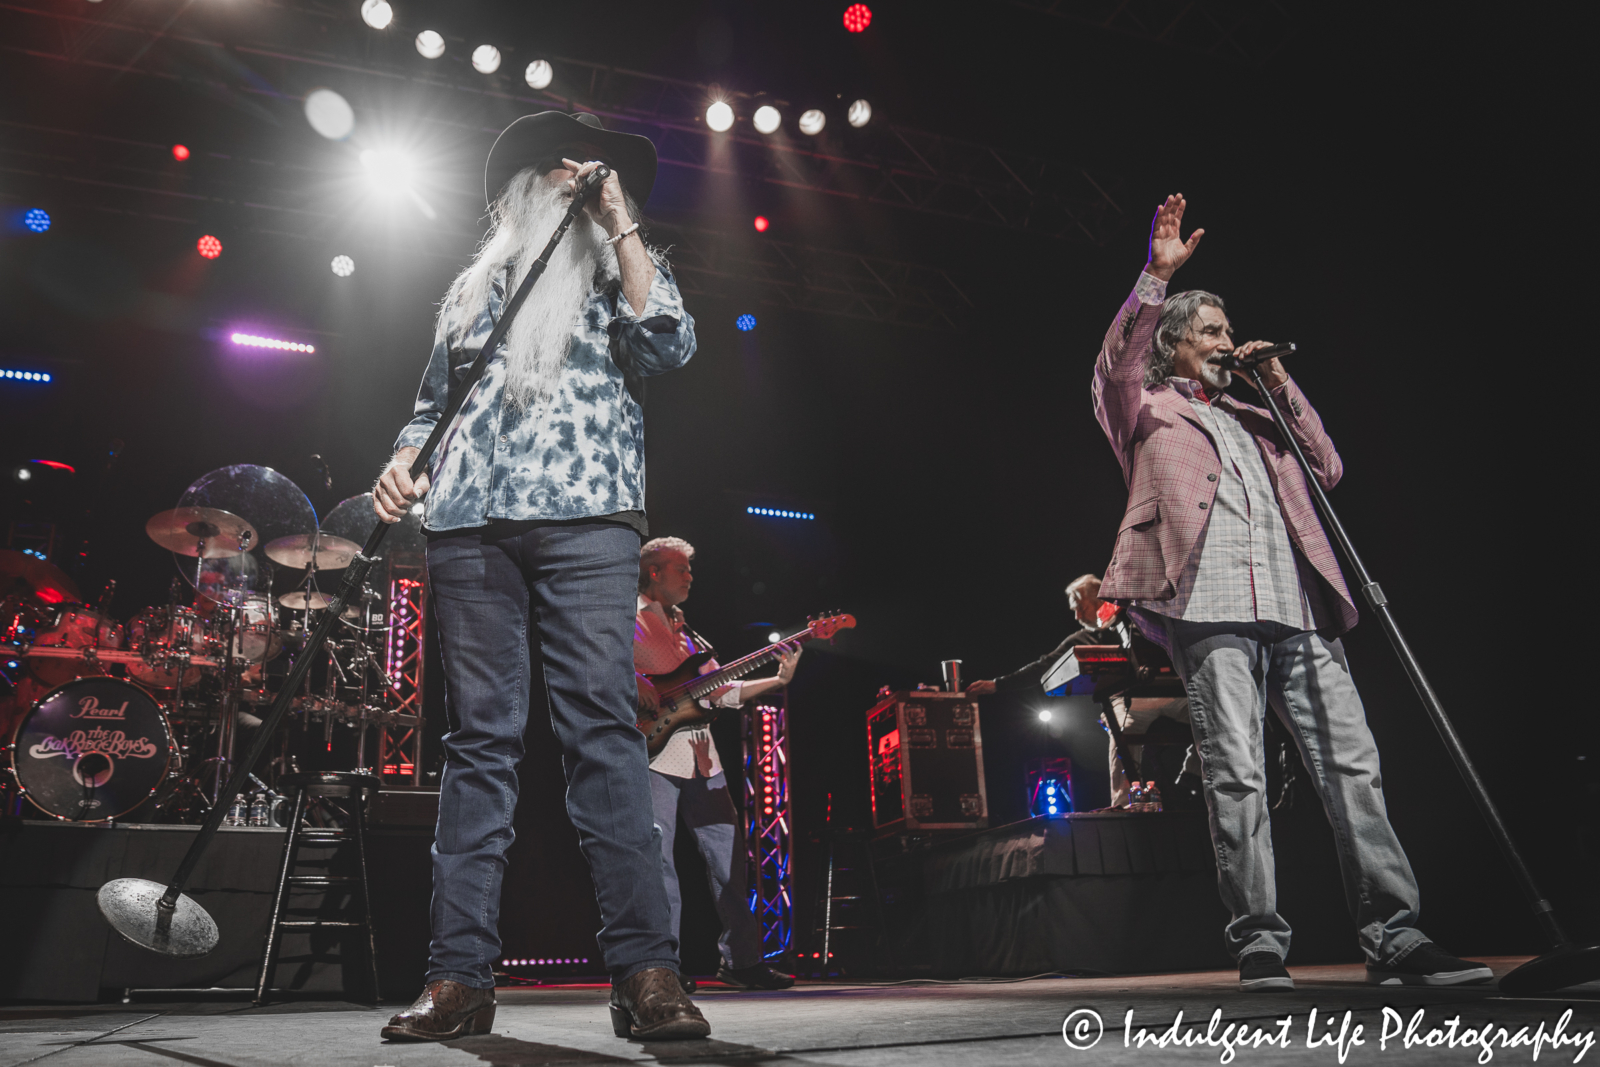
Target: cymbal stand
(1568, 963)
(164, 919)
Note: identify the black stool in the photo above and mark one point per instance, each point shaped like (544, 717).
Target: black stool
(321, 784)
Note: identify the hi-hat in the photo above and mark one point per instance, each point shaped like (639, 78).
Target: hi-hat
(322, 552)
(183, 529)
(22, 573)
(299, 599)
(133, 907)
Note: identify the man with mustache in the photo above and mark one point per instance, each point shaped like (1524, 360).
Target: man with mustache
(535, 512)
(1223, 561)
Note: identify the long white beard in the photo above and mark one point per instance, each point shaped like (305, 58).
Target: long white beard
(540, 336)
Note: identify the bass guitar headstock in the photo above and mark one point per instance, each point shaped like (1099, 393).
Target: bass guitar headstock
(824, 627)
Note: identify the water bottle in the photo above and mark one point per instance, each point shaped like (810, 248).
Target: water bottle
(1152, 797)
(259, 805)
(238, 812)
(1135, 796)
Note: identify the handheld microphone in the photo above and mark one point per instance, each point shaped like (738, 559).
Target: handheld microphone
(590, 185)
(1256, 358)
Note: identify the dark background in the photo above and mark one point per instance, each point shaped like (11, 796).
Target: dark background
(1395, 190)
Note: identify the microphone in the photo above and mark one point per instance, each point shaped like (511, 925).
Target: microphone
(1256, 358)
(590, 185)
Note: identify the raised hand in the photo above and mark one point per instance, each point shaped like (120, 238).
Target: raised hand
(608, 209)
(1168, 249)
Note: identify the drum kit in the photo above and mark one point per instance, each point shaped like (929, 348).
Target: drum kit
(109, 717)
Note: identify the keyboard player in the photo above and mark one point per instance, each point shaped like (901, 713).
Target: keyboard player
(1099, 626)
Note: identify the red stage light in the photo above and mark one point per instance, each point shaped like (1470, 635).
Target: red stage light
(857, 17)
(180, 152)
(209, 247)
(762, 224)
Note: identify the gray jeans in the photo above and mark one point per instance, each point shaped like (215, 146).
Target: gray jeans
(1232, 672)
(707, 810)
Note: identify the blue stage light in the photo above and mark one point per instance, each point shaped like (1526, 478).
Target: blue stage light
(745, 322)
(780, 513)
(26, 375)
(38, 220)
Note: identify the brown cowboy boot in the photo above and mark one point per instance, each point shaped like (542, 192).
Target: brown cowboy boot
(652, 1005)
(445, 1009)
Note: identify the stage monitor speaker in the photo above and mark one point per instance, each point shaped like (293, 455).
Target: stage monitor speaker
(925, 748)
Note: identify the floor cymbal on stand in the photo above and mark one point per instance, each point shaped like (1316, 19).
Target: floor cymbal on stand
(185, 530)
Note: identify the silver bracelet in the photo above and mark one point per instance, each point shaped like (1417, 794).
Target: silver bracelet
(620, 236)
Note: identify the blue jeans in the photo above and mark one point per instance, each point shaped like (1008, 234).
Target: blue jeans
(1232, 672)
(708, 812)
(541, 610)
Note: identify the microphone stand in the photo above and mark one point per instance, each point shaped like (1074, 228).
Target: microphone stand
(1566, 963)
(163, 919)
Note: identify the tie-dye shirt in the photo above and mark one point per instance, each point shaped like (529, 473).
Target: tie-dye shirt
(580, 454)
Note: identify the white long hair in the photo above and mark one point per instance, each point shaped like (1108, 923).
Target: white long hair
(521, 222)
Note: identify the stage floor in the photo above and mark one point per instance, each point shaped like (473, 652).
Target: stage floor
(836, 1025)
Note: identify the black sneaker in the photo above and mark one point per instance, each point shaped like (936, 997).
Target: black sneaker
(1428, 964)
(759, 976)
(1260, 971)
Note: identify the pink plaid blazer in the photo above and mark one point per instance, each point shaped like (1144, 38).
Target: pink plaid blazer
(1171, 466)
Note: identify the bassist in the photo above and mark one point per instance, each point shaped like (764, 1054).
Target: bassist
(686, 777)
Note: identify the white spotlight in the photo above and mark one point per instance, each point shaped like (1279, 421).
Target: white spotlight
(344, 266)
(812, 121)
(430, 43)
(766, 119)
(1044, 715)
(539, 74)
(860, 114)
(387, 171)
(330, 114)
(719, 116)
(376, 13)
(774, 637)
(486, 59)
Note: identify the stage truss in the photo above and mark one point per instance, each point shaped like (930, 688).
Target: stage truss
(400, 743)
(769, 823)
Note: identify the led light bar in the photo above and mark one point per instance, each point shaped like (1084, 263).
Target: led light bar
(253, 341)
(26, 375)
(779, 513)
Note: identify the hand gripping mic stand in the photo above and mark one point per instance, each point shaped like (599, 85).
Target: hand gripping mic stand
(1567, 963)
(161, 918)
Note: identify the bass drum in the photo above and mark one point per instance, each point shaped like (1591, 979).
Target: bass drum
(92, 750)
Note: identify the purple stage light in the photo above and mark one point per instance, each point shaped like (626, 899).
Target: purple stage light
(37, 219)
(253, 341)
(745, 323)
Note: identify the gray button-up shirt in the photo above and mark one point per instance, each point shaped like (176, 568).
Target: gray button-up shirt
(1244, 567)
(578, 455)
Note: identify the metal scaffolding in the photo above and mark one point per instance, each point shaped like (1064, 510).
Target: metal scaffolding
(769, 823)
(400, 739)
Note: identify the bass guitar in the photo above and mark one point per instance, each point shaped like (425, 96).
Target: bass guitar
(679, 691)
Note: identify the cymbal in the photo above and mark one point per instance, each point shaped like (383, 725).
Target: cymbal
(298, 550)
(297, 598)
(20, 572)
(182, 529)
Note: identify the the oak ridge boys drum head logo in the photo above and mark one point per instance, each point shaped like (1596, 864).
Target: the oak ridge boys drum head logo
(92, 749)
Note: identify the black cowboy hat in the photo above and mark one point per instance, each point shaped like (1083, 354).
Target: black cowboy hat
(533, 139)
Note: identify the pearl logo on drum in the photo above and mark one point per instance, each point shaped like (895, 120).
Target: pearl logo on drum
(89, 708)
